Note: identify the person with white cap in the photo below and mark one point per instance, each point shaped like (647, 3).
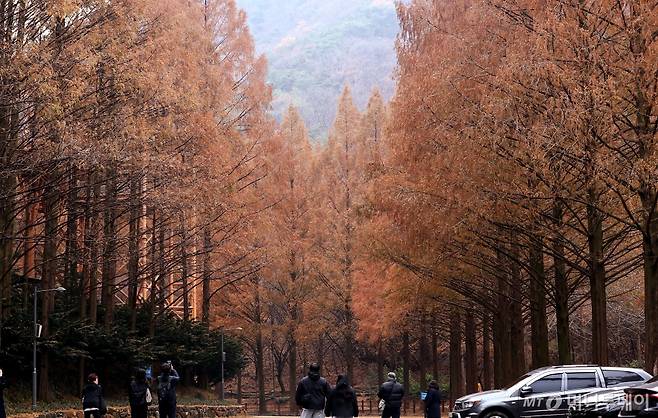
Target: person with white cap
(391, 395)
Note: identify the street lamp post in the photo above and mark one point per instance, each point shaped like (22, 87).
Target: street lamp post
(223, 360)
(35, 335)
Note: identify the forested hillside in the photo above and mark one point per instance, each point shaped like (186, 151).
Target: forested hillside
(315, 47)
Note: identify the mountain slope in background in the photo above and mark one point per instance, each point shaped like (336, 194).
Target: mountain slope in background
(315, 47)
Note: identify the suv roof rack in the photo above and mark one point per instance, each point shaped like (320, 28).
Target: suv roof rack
(564, 366)
(577, 365)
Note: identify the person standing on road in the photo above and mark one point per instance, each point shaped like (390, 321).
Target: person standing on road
(167, 382)
(392, 393)
(312, 393)
(3, 385)
(342, 402)
(433, 401)
(139, 395)
(93, 402)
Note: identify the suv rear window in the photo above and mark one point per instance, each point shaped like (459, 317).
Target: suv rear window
(547, 384)
(581, 380)
(618, 377)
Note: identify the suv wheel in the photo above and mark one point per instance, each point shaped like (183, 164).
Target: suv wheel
(495, 414)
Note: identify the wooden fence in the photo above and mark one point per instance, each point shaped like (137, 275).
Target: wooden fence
(368, 405)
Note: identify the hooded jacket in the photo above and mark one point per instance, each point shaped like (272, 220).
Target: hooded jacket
(312, 392)
(342, 401)
(392, 393)
(433, 403)
(92, 398)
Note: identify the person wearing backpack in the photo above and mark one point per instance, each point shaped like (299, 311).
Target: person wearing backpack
(167, 382)
(93, 402)
(139, 395)
(391, 394)
(342, 402)
(312, 392)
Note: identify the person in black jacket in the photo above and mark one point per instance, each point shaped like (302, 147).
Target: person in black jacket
(342, 402)
(392, 393)
(167, 382)
(3, 385)
(433, 401)
(93, 403)
(139, 395)
(312, 392)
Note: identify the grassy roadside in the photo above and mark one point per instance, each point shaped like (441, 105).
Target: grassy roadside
(21, 403)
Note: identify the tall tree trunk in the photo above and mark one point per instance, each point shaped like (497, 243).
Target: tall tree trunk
(538, 321)
(31, 241)
(424, 354)
(435, 352)
(517, 337)
(486, 353)
(163, 285)
(71, 252)
(406, 362)
(110, 249)
(456, 378)
(470, 359)
(380, 360)
(49, 273)
(92, 243)
(650, 260)
(185, 271)
(134, 235)
(320, 352)
(561, 287)
(292, 369)
(154, 272)
(597, 282)
(503, 331)
(206, 277)
(644, 135)
(260, 354)
(350, 339)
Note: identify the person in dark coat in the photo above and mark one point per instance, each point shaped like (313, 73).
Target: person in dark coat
(139, 395)
(3, 385)
(93, 402)
(167, 382)
(312, 393)
(342, 402)
(392, 393)
(433, 401)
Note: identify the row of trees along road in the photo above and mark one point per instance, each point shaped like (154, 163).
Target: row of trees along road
(502, 208)
(520, 187)
(128, 136)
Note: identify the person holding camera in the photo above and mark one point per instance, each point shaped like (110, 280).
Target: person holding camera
(433, 401)
(167, 382)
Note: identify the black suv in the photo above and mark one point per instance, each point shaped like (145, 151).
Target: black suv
(545, 392)
(641, 401)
